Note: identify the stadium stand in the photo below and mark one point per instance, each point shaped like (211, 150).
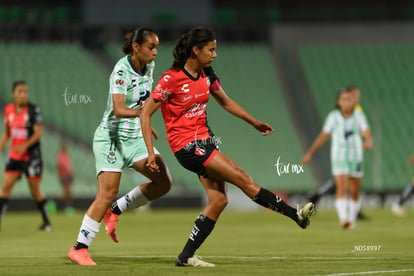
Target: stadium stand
(383, 73)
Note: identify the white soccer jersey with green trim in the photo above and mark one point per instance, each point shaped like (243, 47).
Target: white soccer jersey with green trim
(346, 140)
(127, 80)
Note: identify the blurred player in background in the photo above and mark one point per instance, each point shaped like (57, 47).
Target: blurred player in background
(65, 174)
(346, 128)
(183, 93)
(118, 142)
(23, 126)
(397, 208)
(329, 186)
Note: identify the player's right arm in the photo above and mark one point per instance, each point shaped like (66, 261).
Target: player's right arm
(121, 110)
(118, 87)
(319, 142)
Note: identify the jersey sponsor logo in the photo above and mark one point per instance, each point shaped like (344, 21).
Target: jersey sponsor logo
(119, 82)
(120, 73)
(161, 92)
(143, 96)
(19, 133)
(144, 81)
(185, 88)
(202, 94)
(184, 99)
(195, 110)
(348, 133)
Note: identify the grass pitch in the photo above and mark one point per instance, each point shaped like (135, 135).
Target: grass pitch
(241, 244)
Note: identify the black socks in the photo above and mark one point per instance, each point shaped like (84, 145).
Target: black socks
(406, 194)
(115, 209)
(3, 206)
(201, 229)
(41, 206)
(271, 201)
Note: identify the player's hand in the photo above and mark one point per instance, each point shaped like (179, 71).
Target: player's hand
(411, 159)
(139, 110)
(368, 145)
(152, 164)
(19, 149)
(306, 159)
(264, 128)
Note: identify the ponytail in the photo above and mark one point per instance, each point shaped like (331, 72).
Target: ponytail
(183, 50)
(127, 48)
(139, 36)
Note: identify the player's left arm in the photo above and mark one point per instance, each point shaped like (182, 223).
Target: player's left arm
(366, 134)
(234, 108)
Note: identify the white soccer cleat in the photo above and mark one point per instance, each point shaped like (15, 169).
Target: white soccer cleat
(398, 210)
(194, 261)
(304, 214)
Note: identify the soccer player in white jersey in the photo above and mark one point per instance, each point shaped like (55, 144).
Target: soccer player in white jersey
(350, 135)
(329, 186)
(118, 140)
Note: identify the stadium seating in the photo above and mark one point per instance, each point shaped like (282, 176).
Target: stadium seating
(384, 75)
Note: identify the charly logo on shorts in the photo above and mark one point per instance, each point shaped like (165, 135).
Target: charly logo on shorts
(111, 157)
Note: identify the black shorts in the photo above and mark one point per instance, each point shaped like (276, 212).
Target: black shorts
(32, 168)
(196, 155)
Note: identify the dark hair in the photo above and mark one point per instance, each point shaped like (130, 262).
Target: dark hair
(17, 83)
(198, 37)
(351, 87)
(139, 36)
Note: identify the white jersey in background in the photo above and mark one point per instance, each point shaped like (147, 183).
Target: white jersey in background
(346, 140)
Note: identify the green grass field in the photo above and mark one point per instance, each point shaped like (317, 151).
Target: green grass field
(241, 244)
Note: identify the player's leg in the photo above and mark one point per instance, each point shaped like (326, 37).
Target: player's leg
(397, 208)
(160, 184)
(66, 183)
(354, 199)
(9, 179)
(223, 168)
(341, 181)
(34, 184)
(205, 222)
(327, 188)
(136, 153)
(34, 175)
(108, 184)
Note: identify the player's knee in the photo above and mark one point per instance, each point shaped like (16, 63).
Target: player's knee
(219, 202)
(108, 195)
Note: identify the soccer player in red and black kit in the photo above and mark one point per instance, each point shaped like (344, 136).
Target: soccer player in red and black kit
(23, 126)
(183, 93)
